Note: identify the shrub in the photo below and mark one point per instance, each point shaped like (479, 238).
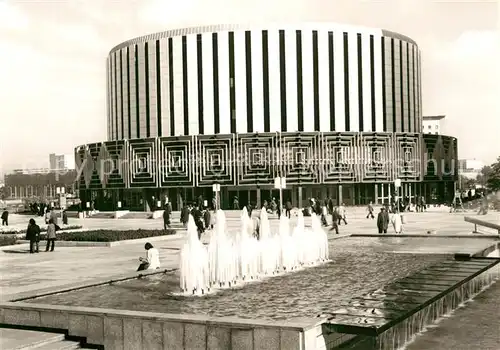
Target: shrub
(109, 235)
(7, 240)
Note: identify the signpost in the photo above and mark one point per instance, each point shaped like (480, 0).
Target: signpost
(216, 189)
(280, 183)
(62, 199)
(397, 185)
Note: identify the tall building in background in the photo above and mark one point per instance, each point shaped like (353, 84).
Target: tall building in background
(433, 124)
(335, 109)
(61, 161)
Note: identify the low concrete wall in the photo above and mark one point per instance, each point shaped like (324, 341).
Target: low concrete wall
(158, 214)
(120, 213)
(116, 329)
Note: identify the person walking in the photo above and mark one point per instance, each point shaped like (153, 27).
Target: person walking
(51, 236)
(64, 217)
(382, 220)
(166, 216)
(335, 220)
(33, 235)
(370, 211)
(397, 223)
(288, 208)
(5, 218)
(342, 214)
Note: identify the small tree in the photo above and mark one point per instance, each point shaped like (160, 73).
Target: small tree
(493, 180)
(484, 175)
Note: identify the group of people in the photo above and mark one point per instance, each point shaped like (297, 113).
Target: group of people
(33, 233)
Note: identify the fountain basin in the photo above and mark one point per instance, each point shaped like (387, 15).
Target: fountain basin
(357, 267)
(389, 317)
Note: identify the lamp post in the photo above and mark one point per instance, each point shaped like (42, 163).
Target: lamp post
(216, 189)
(280, 183)
(60, 191)
(397, 185)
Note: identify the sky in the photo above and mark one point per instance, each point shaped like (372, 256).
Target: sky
(53, 54)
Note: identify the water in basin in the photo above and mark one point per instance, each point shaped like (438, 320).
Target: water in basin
(358, 266)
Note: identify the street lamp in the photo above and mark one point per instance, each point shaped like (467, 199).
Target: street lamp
(216, 189)
(397, 185)
(280, 183)
(62, 199)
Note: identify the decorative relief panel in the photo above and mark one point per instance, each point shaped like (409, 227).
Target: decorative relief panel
(339, 157)
(93, 166)
(215, 160)
(298, 157)
(143, 162)
(376, 154)
(80, 164)
(254, 160)
(407, 162)
(114, 164)
(177, 161)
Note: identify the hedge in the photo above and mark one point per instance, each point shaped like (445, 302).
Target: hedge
(109, 235)
(94, 236)
(6, 231)
(7, 240)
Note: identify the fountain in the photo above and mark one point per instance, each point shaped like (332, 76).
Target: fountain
(232, 258)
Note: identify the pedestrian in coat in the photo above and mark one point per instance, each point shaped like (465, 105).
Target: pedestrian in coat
(382, 220)
(33, 235)
(335, 221)
(166, 216)
(5, 218)
(51, 236)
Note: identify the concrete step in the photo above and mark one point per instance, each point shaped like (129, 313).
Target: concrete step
(19, 339)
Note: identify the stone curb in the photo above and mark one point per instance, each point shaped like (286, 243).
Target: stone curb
(391, 235)
(80, 285)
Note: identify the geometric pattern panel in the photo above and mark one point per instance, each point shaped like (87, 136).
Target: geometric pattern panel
(215, 160)
(297, 157)
(450, 160)
(93, 165)
(114, 164)
(407, 164)
(80, 166)
(339, 157)
(176, 161)
(254, 161)
(432, 152)
(142, 165)
(376, 157)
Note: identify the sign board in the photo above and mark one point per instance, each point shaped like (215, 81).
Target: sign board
(397, 183)
(277, 183)
(280, 182)
(119, 204)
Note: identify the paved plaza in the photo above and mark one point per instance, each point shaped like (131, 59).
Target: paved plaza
(25, 273)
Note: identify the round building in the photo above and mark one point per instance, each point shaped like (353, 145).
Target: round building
(335, 109)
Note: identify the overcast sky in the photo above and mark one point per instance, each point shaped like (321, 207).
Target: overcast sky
(52, 61)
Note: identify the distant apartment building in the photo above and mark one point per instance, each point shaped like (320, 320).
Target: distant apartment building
(470, 168)
(432, 124)
(61, 161)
